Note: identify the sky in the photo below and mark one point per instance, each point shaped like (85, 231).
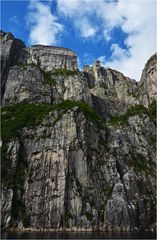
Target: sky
(122, 34)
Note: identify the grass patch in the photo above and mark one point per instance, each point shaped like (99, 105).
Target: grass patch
(135, 110)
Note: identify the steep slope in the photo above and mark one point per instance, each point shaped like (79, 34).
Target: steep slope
(10, 49)
(78, 147)
(148, 82)
(115, 91)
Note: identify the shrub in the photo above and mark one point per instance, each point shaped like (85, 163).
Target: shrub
(48, 79)
(21, 115)
(134, 110)
(140, 163)
(152, 111)
(16, 117)
(64, 72)
(25, 65)
(89, 216)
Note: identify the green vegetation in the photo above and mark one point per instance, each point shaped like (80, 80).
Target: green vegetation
(108, 191)
(26, 220)
(152, 111)
(51, 82)
(141, 84)
(140, 163)
(25, 65)
(133, 94)
(89, 112)
(103, 143)
(56, 72)
(135, 110)
(68, 216)
(45, 94)
(19, 211)
(6, 173)
(89, 216)
(16, 117)
(48, 78)
(64, 72)
(15, 179)
(101, 216)
(19, 116)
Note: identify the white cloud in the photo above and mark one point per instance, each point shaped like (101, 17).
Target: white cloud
(44, 28)
(15, 20)
(102, 59)
(136, 18)
(85, 28)
(118, 52)
(68, 7)
(139, 24)
(107, 34)
(78, 10)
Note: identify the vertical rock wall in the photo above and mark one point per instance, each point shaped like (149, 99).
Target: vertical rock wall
(10, 48)
(79, 152)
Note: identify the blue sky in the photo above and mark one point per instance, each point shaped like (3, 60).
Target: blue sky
(122, 34)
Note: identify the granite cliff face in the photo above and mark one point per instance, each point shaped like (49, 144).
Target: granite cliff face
(10, 49)
(78, 146)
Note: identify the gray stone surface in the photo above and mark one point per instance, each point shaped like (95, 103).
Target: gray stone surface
(49, 58)
(148, 83)
(10, 48)
(77, 175)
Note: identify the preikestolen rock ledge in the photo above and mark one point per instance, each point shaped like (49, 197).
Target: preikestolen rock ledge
(78, 146)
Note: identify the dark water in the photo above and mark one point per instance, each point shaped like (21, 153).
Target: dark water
(77, 235)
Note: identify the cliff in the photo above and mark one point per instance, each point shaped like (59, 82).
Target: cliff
(78, 146)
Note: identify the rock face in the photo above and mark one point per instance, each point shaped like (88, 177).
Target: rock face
(49, 58)
(78, 147)
(117, 91)
(148, 81)
(10, 48)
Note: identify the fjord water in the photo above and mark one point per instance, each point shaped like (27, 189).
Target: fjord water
(77, 235)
